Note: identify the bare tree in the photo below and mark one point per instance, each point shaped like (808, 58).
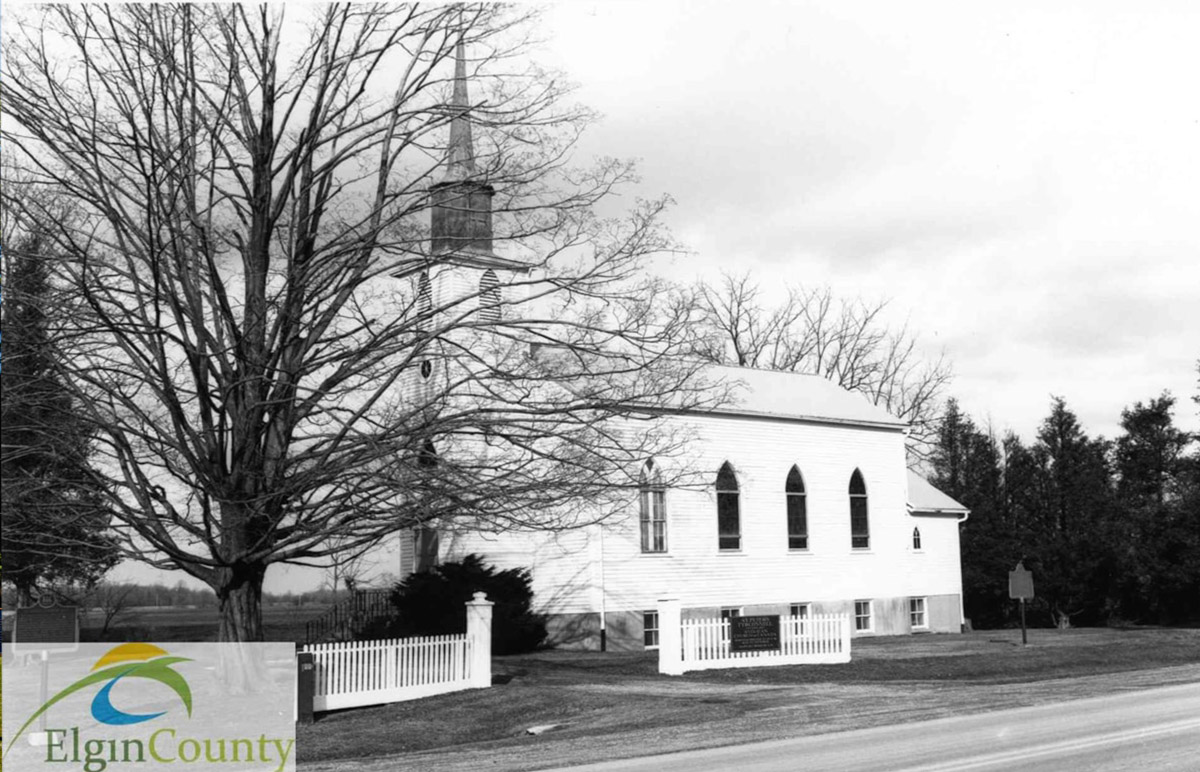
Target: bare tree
(349, 569)
(258, 349)
(111, 601)
(811, 331)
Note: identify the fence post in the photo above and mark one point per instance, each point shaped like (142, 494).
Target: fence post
(670, 636)
(306, 686)
(479, 633)
(845, 620)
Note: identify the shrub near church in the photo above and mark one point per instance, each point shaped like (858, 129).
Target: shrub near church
(430, 603)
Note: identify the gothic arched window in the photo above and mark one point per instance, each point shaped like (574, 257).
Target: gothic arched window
(916, 538)
(797, 511)
(729, 521)
(652, 498)
(427, 457)
(860, 529)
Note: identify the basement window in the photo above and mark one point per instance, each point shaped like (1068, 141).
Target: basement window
(917, 618)
(864, 620)
(650, 629)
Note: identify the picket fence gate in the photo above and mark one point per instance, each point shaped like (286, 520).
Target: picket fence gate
(703, 644)
(360, 673)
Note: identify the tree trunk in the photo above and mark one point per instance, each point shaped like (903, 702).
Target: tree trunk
(239, 595)
(241, 668)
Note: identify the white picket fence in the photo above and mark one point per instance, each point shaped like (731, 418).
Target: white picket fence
(359, 673)
(703, 644)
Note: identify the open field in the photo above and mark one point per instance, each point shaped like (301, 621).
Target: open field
(616, 705)
(167, 623)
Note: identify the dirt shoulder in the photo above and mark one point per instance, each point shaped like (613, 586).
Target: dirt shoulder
(617, 706)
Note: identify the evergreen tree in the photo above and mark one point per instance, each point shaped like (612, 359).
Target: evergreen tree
(53, 521)
(1150, 455)
(1111, 530)
(966, 466)
(1158, 525)
(1070, 503)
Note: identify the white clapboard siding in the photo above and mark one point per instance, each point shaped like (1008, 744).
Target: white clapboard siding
(358, 673)
(815, 640)
(567, 572)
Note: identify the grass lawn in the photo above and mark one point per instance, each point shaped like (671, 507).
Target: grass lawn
(612, 705)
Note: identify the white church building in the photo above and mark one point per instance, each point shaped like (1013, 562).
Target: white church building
(806, 504)
(810, 509)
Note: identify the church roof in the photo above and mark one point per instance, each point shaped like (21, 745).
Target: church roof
(924, 498)
(797, 396)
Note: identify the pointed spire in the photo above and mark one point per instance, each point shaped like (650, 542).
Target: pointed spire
(461, 215)
(460, 155)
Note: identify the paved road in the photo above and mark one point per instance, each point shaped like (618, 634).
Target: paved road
(1156, 730)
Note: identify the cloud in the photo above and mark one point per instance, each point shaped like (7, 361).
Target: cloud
(1018, 179)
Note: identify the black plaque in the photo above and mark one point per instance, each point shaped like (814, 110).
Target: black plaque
(759, 633)
(45, 629)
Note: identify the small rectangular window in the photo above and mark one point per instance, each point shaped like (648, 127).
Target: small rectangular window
(863, 621)
(799, 610)
(916, 613)
(730, 612)
(650, 629)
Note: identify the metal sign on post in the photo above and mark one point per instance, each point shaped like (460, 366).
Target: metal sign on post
(1020, 587)
(38, 629)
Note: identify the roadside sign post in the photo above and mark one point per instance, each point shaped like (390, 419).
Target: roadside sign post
(1024, 641)
(40, 630)
(1020, 586)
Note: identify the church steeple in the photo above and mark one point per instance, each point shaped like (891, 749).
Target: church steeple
(462, 200)
(460, 155)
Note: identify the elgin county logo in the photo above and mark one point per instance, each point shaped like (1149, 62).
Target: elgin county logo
(163, 745)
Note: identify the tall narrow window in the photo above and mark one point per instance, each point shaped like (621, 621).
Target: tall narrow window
(489, 297)
(916, 538)
(427, 457)
(860, 531)
(426, 536)
(729, 521)
(797, 513)
(653, 499)
(426, 548)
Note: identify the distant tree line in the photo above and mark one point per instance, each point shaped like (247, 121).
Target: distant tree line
(1110, 528)
(128, 595)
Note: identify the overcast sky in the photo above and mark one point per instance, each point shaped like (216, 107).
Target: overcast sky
(1021, 179)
